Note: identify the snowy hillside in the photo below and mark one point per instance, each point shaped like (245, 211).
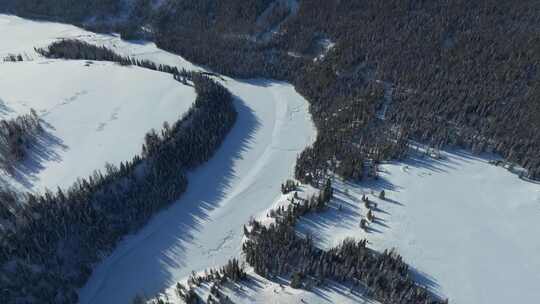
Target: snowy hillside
(260, 290)
(469, 228)
(21, 36)
(93, 112)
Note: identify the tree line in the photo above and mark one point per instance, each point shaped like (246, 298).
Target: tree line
(80, 50)
(465, 74)
(50, 242)
(16, 137)
(215, 279)
(277, 250)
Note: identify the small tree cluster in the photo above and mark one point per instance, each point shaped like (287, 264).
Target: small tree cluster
(13, 58)
(289, 186)
(16, 137)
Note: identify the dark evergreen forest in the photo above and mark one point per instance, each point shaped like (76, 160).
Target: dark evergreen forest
(16, 137)
(445, 73)
(460, 73)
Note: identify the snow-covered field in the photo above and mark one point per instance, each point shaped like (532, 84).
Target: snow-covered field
(93, 114)
(21, 36)
(469, 228)
(258, 289)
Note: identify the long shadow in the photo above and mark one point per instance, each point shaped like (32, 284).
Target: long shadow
(344, 212)
(161, 245)
(313, 223)
(43, 148)
(425, 280)
(253, 285)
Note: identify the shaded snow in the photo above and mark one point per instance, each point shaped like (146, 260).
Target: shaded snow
(468, 228)
(257, 289)
(204, 228)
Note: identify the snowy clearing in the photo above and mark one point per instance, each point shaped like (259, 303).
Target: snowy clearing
(93, 113)
(468, 228)
(21, 36)
(258, 289)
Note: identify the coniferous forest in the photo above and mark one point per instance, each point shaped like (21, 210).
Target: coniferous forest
(459, 73)
(50, 242)
(16, 137)
(276, 250)
(377, 74)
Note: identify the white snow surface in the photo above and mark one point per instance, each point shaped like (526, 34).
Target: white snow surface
(258, 289)
(93, 114)
(468, 229)
(21, 36)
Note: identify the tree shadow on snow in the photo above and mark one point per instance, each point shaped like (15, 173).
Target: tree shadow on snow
(158, 250)
(44, 147)
(4, 109)
(253, 285)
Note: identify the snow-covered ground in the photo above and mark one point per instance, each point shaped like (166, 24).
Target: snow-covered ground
(257, 289)
(468, 228)
(21, 36)
(93, 113)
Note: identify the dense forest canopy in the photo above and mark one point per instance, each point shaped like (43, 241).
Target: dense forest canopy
(376, 73)
(461, 72)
